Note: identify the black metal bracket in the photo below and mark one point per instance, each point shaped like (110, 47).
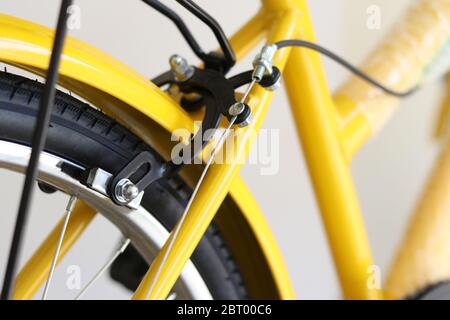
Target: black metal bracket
(217, 94)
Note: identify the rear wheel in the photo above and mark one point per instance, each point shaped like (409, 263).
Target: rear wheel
(86, 137)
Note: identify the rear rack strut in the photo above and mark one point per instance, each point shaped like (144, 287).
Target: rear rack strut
(218, 61)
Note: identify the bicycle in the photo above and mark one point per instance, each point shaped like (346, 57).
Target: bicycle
(123, 165)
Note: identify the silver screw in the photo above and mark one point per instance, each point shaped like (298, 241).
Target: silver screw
(236, 109)
(180, 68)
(126, 191)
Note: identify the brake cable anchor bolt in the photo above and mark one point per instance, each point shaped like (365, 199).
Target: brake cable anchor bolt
(263, 62)
(181, 70)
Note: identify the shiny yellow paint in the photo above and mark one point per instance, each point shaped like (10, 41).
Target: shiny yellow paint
(352, 133)
(35, 271)
(315, 116)
(105, 82)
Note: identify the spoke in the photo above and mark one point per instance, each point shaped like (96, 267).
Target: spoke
(35, 272)
(69, 209)
(104, 268)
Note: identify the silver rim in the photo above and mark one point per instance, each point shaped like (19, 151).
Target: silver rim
(144, 231)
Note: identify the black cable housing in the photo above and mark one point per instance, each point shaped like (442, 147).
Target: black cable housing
(358, 72)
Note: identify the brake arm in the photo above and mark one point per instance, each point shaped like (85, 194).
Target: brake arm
(126, 186)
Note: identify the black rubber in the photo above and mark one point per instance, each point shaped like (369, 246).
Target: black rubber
(86, 136)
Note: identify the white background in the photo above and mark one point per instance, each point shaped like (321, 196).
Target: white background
(388, 172)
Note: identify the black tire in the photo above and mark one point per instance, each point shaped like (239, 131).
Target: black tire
(88, 137)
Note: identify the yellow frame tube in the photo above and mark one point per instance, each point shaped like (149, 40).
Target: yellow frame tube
(423, 256)
(315, 118)
(35, 271)
(214, 188)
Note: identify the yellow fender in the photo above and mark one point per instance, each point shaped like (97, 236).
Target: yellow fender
(138, 104)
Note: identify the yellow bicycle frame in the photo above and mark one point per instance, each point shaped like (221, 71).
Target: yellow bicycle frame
(328, 143)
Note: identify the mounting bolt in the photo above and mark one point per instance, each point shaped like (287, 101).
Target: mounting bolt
(126, 191)
(180, 68)
(236, 109)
